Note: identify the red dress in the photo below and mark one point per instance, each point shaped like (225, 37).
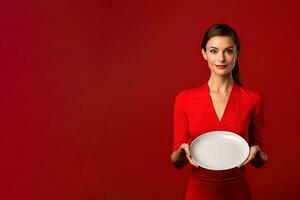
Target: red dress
(194, 114)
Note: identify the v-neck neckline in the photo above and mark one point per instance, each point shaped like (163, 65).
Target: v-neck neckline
(226, 106)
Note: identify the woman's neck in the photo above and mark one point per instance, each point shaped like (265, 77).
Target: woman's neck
(220, 83)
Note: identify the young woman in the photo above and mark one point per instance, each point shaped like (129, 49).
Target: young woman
(221, 103)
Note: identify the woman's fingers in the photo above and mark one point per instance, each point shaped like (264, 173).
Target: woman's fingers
(251, 157)
(246, 161)
(192, 162)
(195, 163)
(186, 148)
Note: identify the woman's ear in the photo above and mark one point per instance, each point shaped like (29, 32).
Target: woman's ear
(204, 54)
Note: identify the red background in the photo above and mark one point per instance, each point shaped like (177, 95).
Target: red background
(87, 92)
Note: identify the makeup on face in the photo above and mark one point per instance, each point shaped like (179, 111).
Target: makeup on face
(221, 66)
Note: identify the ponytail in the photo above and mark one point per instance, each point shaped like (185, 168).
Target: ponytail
(236, 74)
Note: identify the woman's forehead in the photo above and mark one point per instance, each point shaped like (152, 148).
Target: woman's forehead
(220, 42)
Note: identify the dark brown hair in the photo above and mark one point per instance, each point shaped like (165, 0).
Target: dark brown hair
(224, 30)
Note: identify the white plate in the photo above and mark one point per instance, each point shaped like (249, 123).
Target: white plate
(219, 150)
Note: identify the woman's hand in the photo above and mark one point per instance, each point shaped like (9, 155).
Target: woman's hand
(186, 148)
(254, 153)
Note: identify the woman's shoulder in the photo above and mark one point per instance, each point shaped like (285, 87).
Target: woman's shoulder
(249, 93)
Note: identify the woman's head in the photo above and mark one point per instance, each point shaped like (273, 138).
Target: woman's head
(221, 46)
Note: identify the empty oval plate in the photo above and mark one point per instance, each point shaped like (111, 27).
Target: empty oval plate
(219, 150)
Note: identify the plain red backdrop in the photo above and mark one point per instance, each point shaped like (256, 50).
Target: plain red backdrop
(87, 92)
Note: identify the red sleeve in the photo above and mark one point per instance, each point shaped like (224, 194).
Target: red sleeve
(257, 124)
(181, 123)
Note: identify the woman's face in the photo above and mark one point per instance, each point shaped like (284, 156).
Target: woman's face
(221, 54)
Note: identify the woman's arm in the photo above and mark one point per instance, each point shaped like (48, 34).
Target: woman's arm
(256, 157)
(182, 156)
(256, 134)
(178, 158)
(260, 159)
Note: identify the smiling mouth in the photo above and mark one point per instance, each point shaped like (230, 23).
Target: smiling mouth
(221, 66)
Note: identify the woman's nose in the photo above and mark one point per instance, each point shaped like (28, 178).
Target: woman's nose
(221, 57)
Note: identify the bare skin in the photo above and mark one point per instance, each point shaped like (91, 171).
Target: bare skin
(220, 50)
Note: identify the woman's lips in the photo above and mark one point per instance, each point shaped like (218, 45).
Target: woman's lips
(221, 66)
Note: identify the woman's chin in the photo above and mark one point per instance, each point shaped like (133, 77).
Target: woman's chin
(221, 72)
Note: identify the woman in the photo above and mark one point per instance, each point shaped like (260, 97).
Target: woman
(221, 103)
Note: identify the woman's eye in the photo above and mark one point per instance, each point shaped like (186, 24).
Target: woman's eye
(213, 51)
(229, 51)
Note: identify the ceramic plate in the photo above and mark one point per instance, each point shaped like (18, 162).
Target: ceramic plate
(219, 150)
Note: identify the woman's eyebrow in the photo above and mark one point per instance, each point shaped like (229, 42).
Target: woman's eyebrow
(225, 48)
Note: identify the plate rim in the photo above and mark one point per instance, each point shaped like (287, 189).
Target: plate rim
(227, 132)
